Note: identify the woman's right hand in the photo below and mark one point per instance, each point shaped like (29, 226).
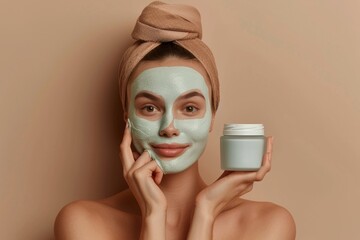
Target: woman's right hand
(143, 177)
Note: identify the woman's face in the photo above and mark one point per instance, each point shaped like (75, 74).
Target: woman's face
(170, 111)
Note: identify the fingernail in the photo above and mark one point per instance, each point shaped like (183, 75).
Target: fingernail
(128, 123)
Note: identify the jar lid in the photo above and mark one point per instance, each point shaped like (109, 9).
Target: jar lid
(243, 129)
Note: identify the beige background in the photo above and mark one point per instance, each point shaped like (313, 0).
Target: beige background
(292, 65)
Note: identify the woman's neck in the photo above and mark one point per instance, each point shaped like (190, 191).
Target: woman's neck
(181, 189)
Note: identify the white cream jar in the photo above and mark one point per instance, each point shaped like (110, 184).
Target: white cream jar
(242, 147)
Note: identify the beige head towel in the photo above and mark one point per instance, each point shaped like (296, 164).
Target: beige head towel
(160, 22)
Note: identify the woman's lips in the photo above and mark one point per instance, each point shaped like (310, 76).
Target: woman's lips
(169, 150)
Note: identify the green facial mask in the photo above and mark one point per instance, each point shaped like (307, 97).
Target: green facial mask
(170, 83)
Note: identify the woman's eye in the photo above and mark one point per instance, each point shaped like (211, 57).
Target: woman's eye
(149, 108)
(190, 109)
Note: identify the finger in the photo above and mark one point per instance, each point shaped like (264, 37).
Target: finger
(126, 154)
(141, 160)
(247, 189)
(158, 175)
(265, 168)
(141, 175)
(272, 148)
(224, 174)
(136, 155)
(266, 162)
(269, 144)
(146, 171)
(248, 177)
(238, 177)
(268, 152)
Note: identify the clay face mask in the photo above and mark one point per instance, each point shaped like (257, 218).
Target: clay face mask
(179, 151)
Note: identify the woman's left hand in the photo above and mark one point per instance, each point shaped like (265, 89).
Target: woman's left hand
(232, 184)
(212, 200)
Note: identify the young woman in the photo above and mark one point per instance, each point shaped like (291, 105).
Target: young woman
(170, 93)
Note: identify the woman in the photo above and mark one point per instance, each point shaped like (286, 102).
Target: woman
(170, 93)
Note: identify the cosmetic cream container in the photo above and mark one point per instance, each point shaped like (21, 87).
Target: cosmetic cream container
(242, 147)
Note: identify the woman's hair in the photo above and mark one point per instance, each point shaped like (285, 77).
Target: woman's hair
(168, 49)
(164, 30)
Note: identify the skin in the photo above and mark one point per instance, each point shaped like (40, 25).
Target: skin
(176, 206)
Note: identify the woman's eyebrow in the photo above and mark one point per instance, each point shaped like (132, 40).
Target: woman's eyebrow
(192, 94)
(148, 95)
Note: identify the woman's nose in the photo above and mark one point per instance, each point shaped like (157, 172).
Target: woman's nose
(167, 128)
(169, 131)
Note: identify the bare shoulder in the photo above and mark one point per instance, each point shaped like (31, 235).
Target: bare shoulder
(75, 220)
(257, 220)
(103, 219)
(275, 221)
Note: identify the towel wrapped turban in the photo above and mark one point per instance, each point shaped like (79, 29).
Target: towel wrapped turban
(160, 22)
